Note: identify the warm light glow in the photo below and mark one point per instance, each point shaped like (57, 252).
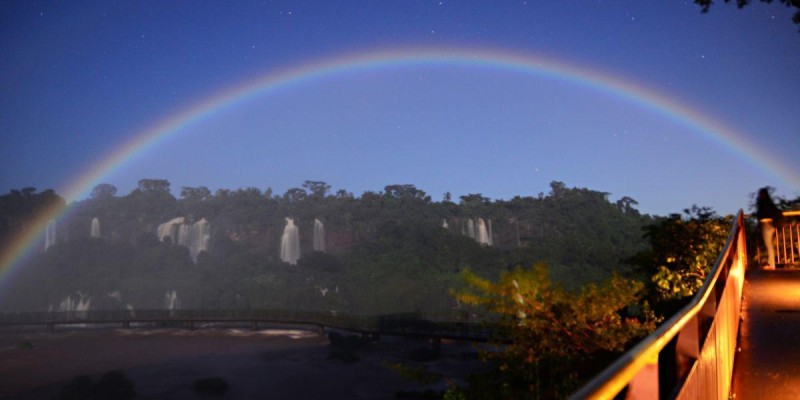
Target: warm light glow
(782, 294)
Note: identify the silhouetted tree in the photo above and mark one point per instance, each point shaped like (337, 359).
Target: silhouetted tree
(200, 193)
(19, 208)
(153, 185)
(103, 191)
(627, 204)
(316, 189)
(343, 194)
(406, 192)
(152, 201)
(706, 5)
(295, 195)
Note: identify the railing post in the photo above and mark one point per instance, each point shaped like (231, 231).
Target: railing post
(687, 349)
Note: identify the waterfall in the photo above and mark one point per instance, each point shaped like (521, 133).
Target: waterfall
(95, 231)
(50, 234)
(198, 238)
(80, 306)
(170, 229)
(194, 236)
(444, 224)
(477, 229)
(171, 301)
(67, 304)
(184, 231)
(491, 241)
(83, 305)
(290, 243)
(482, 236)
(319, 236)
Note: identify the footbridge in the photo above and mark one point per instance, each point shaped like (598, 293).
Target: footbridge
(739, 337)
(453, 326)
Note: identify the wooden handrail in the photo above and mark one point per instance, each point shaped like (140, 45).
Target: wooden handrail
(609, 382)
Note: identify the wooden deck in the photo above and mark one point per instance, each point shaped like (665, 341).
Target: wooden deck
(767, 364)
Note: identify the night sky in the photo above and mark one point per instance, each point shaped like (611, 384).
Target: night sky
(80, 79)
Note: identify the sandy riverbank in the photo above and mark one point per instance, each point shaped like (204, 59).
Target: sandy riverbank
(164, 363)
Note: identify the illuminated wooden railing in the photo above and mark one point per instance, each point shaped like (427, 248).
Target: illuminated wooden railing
(690, 356)
(787, 240)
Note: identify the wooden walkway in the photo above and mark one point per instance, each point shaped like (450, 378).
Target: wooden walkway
(768, 363)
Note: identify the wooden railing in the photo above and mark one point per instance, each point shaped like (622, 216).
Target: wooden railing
(690, 356)
(787, 240)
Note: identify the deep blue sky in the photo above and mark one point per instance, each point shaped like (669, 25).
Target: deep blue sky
(78, 79)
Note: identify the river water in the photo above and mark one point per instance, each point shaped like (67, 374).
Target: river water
(164, 363)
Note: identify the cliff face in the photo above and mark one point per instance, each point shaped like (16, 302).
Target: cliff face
(551, 227)
(382, 252)
(338, 238)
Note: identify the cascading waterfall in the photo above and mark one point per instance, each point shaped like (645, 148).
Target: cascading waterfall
(194, 236)
(170, 229)
(184, 231)
(290, 243)
(67, 304)
(171, 301)
(319, 235)
(477, 229)
(199, 238)
(95, 230)
(50, 234)
(444, 224)
(490, 243)
(482, 236)
(79, 306)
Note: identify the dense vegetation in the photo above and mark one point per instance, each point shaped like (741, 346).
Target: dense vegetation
(387, 251)
(557, 338)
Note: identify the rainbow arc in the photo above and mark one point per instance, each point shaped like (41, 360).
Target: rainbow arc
(630, 91)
